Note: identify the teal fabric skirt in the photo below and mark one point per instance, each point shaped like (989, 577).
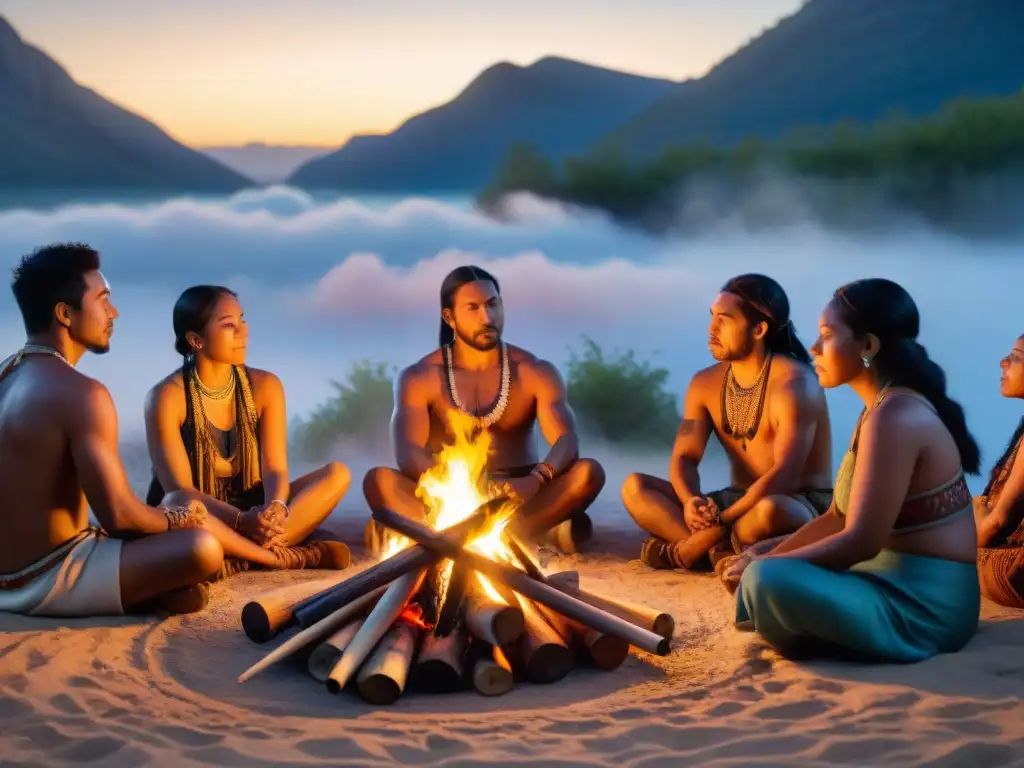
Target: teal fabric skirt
(895, 607)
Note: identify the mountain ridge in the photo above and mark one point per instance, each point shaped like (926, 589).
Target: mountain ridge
(57, 133)
(461, 143)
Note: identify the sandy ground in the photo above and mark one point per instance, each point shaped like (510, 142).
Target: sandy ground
(137, 691)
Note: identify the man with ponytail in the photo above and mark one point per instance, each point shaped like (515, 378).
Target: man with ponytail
(216, 431)
(763, 403)
(889, 573)
(59, 459)
(509, 392)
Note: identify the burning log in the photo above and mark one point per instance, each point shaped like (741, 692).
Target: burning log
(439, 667)
(374, 628)
(321, 629)
(492, 673)
(540, 653)
(648, 618)
(325, 656)
(386, 571)
(493, 622)
(382, 678)
(454, 600)
(521, 582)
(432, 593)
(269, 613)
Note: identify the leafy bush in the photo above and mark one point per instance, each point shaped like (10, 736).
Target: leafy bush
(621, 400)
(615, 398)
(361, 410)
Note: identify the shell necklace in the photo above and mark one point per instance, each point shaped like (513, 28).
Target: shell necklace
(500, 404)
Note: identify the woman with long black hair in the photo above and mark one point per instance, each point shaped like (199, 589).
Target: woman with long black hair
(889, 572)
(216, 430)
(999, 511)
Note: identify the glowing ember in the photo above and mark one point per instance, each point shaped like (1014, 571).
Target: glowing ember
(413, 614)
(454, 488)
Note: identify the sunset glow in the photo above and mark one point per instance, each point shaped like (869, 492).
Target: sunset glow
(316, 72)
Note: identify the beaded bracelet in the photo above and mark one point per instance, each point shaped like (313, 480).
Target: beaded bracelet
(287, 510)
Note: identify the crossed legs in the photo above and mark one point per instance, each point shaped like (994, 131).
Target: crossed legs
(654, 506)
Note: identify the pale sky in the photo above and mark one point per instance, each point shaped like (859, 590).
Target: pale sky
(314, 72)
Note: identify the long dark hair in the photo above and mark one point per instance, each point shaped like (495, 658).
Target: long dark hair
(193, 310)
(998, 468)
(455, 279)
(885, 309)
(764, 301)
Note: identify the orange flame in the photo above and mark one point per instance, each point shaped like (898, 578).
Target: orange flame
(453, 489)
(413, 614)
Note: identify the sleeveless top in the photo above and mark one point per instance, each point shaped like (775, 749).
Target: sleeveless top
(920, 510)
(231, 489)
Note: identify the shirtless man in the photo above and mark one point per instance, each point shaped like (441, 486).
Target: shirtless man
(764, 404)
(553, 492)
(58, 458)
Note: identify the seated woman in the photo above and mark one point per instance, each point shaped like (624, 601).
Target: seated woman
(888, 573)
(999, 511)
(216, 431)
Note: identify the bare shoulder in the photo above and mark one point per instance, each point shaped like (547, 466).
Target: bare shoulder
(900, 413)
(794, 379)
(534, 370)
(418, 379)
(166, 392)
(264, 381)
(707, 380)
(87, 400)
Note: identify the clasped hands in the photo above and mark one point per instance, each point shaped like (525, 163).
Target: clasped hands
(264, 524)
(700, 513)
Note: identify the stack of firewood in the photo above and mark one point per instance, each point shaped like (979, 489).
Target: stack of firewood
(441, 617)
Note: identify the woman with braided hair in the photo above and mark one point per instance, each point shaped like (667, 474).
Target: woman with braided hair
(888, 573)
(999, 511)
(216, 431)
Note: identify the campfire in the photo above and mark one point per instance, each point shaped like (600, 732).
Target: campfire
(452, 604)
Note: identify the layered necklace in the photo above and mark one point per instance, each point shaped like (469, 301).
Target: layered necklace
(214, 394)
(500, 404)
(742, 406)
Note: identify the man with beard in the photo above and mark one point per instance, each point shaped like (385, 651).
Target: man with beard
(508, 391)
(763, 403)
(58, 459)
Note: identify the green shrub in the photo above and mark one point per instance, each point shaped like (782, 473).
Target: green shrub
(361, 410)
(621, 400)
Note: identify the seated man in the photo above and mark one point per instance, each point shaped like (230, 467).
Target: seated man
(509, 391)
(999, 511)
(217, 432)
(763, 402)
(58, 458)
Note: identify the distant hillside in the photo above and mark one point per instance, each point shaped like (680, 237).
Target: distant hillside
(555, 104)
(264, 163)
(55, 134)
(835, 60)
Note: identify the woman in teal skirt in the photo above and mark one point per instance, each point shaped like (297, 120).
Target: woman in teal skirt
(888, 573)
